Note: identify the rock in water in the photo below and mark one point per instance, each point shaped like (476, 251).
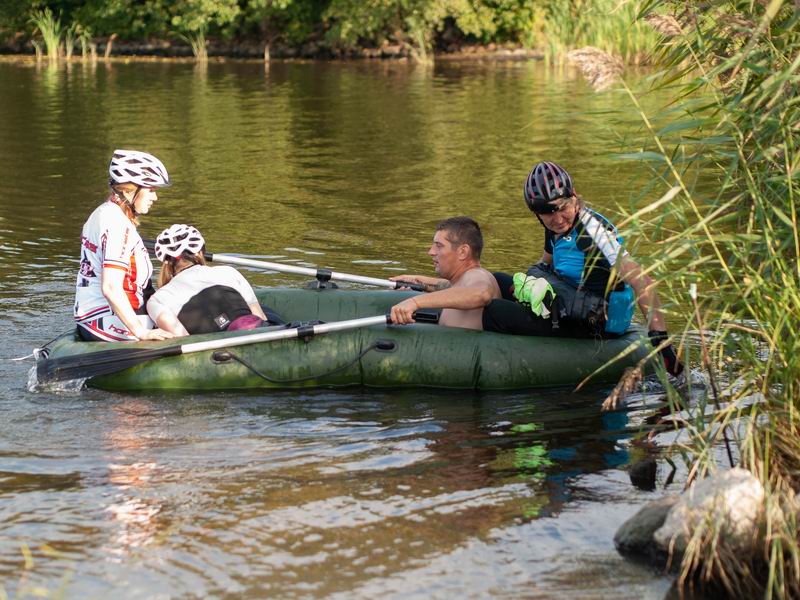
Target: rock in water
(732, 500)
(635, 537)
(643, 474)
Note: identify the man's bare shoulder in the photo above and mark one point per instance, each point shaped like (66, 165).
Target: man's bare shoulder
(477, 277)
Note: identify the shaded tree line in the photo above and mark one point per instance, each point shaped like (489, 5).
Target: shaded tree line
(336, 24)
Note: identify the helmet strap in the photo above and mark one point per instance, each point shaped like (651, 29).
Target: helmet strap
(120, 196)
(132, 201)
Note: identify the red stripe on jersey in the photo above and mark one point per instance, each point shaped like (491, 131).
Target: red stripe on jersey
(92, 313)
(129, 284)
(115, 266)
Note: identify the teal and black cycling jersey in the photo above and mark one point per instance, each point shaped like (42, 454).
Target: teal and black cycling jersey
(585, 255)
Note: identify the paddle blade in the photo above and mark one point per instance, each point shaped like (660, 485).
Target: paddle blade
(94, 364)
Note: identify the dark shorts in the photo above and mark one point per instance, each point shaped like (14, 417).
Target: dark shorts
(506, 315)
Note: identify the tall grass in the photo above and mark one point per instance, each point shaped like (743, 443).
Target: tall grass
(50, 28)
(70, 37)
(737, 63)
(85, 40)
(610, 25)
(199, 44)
(37, 48)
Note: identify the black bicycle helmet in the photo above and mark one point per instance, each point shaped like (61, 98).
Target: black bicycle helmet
(546, 182)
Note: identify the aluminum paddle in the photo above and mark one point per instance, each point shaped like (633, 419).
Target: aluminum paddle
(105, 362)
(319, 274)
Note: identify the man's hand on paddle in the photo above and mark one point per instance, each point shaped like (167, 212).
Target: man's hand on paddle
(408, 279)
(403, 312)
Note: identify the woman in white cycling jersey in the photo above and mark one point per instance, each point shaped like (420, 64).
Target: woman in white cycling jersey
(195, 298)
(114, 279)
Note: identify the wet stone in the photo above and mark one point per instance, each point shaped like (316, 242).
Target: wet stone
(643, 474)
(634, 538)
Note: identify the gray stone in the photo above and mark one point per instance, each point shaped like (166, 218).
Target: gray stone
(634, 538)
(643, 474)
(731, 501)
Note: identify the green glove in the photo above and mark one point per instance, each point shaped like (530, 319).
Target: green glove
(532, 291)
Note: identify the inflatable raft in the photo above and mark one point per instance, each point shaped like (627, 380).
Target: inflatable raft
(419, 355)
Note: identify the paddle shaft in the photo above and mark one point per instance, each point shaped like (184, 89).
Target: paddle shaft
(106, 362)
(320, 274)
(285, 334)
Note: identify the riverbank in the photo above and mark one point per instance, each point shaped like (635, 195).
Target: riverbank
(249, 50)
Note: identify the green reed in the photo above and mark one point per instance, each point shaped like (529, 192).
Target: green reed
(199, 44)
(737, 67)
(610, 25)
(71, 35)
(85, 41)
(50, 28)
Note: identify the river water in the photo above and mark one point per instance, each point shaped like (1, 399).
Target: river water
(307, 494)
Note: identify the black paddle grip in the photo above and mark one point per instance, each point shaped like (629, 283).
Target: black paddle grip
(417, 287)
(305, 331)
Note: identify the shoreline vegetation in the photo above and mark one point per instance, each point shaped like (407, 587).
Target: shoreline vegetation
(734, 66)
(417, 30)
(167, 50)
(729, 265)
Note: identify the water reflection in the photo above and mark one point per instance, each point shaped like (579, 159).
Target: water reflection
(132, 476)
(327, 491)
(354, 160)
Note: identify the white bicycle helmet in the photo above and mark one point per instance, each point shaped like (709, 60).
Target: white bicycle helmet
(177, 239)
(139, 168)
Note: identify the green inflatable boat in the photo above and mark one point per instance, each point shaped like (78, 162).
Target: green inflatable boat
(386, 356)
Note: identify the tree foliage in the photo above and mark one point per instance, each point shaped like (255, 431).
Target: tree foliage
(293, 21)
(553, 25)
(200, 16)
(353, 22)
(344, 23)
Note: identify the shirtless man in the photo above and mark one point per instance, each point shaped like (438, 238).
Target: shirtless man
(464, 287)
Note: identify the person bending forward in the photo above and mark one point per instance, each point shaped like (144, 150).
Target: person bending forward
(195, 298)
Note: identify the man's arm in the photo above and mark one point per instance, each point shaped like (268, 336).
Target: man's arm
(432, 284)
(475, 290)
